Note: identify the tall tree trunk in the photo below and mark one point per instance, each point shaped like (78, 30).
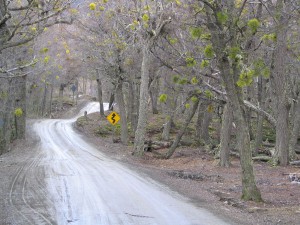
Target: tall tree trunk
(4, 31)
(260, 118)
(154, 95)
(20, 102)
(167, 128)
(227, 120)
(111, 101)
(61, 95)
(205, 126)
(84, 81)
(168, 107)
(295, 131)
(44, 99)
(199, 121)
(51, 99)
(77, 92)
(250, 190)
(130, 105)
(187, 121)
(281, 84)
(6, 119)
(121, 104)
(143, 108)
(99, 88)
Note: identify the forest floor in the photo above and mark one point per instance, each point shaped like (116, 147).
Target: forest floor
(194, 173)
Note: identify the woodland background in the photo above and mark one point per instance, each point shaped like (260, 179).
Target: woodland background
(230, 68)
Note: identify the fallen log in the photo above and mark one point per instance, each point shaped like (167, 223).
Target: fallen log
(156, 145)
(263, 158)
(295, 163)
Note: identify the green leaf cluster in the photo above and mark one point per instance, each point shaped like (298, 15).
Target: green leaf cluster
(260, 68)
(194, 80)
(46, 59)
(145, 17)
(204, 63)
(205, 36)
(209, 51)
(18, 112)
(183, 81)
(190, 61)
(196, 32)
(222, 17)
(194, 99)
(44, 50)
(163, 98)
(92, 6)
(253, 24)
(176, 79)
(246, 78)
(208, 94)
(3, 95)
(234, 53)
(172, 41)
(269, 37)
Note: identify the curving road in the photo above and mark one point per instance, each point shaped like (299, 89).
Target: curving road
(71, 182)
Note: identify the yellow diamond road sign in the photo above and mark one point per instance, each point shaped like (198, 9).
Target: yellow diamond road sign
(113, 118)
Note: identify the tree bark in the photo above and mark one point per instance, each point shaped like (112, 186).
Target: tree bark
(143, 107)
(227, 120)
(111, 101)
(168, 108)
(205, 126)
(44, 99)
(295, 131)
(199, 121)
(154, 96)
(61, 95)
(187, 121)
(281, 84)
(99, 88)
(260, 118)
(20, 121)
(121, 104)
(229, 74)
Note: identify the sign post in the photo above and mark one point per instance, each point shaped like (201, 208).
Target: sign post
(113, 118)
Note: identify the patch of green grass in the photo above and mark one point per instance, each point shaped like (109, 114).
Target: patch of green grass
(108, 129)
(81, 121)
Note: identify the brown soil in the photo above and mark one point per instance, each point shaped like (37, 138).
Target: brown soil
(195, 174)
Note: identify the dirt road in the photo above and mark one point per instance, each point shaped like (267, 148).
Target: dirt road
(64, 180)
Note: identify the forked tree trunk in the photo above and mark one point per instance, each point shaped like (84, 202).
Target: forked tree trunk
(230, 74)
